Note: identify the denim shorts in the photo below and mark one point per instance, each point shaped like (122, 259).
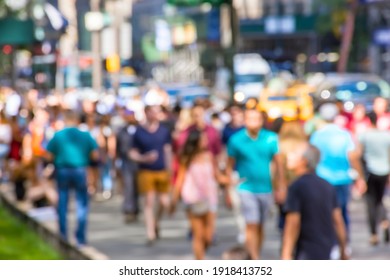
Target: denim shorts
(255, 207)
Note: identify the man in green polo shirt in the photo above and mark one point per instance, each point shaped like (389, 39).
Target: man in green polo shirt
(71, 150)
(252, 150)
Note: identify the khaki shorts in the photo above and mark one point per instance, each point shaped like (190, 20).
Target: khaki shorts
(153, 181)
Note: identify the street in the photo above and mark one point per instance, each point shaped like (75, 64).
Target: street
(110, 235)
(111, 238)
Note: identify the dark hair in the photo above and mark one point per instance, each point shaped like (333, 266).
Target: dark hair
(191, 147)
(373, 118)
(70, 115)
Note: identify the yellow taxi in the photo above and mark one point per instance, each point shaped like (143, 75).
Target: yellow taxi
(294, 103)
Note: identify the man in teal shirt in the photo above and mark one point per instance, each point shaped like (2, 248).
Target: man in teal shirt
(252, 151)
(71, 150)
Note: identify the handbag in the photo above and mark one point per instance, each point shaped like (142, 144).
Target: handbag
(199, 208)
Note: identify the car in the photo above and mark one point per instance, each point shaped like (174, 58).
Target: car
(351, 89)
(295, 103)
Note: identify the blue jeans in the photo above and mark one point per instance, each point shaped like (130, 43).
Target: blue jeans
(73, 179)
(105, 176)
(343, 196)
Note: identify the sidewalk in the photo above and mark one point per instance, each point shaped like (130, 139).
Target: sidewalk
(109, 236)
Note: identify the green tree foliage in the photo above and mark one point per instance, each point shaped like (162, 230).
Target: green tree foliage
(331, 15)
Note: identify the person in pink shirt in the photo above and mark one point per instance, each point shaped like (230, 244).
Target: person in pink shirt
(360, 122)
(198, 114)
(197, 186)
(380, 108)
(214, 143)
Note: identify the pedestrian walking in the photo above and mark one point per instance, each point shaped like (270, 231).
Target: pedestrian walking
(375, 145)
(252, 151)
(381, 110)
(153, 151)
(340, 159)
(236, 124)
(72, 149)
(128, 168)
(313, 218)
(197, 185)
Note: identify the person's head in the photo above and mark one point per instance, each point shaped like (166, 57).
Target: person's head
(303, 159)
(236, 253)
(373, 120)
(359, 112)
(380, 106)
(129, 117)
(71, 118)
(329, 112)
(237, 115)
(292, 130)
(195, 143)
(153, 113)
(339, 104)
(198, 116)
(41, 117)
(253, 120)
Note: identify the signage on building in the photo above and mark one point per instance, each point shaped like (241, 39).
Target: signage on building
(382, 37)
(371, 1)
(280, 25)
(214, 26)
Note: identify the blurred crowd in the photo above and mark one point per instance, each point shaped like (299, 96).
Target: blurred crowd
(160, 156)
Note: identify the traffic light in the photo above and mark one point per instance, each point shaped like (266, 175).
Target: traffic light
(7, 49)
(113, 63)
(190, 3)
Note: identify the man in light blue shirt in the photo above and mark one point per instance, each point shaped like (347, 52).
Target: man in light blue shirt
(339, 158)
(251, 151)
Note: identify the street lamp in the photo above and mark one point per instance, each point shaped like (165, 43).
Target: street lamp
(94, 22)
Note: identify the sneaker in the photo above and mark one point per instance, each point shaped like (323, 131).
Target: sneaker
(335, 253)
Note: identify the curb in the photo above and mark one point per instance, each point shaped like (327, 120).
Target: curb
(69, 251)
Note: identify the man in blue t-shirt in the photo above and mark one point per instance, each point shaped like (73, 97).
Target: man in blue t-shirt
(339, 158)
(252, 151)
(152, 150)
(72, 150)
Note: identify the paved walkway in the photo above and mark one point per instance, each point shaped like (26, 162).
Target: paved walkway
(109, 235)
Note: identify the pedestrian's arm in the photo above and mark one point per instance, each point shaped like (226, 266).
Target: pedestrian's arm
(178, 186)
(229, 170)
(136, 156)
(280, 174)
(291, 233)
(168, 155)
(112, 146)
(48, 153)
(356, 164)
(95, 155)
(340, 231)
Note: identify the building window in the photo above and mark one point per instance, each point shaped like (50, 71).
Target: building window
(249, 9)
(304, 7)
